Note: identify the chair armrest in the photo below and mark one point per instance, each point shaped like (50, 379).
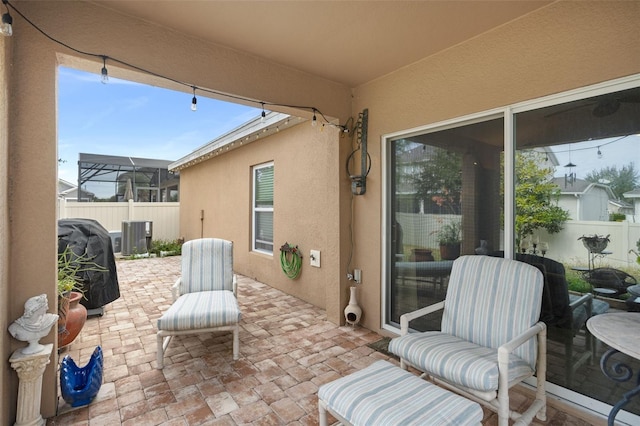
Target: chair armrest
(532, 331)
(580, 301)
(539, 329)
(410, 316)
(587, 301)
(175, 289)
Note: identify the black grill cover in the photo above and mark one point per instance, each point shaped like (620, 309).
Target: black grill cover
(88, 236)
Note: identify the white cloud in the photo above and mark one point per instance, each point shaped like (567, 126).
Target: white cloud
(135, 103)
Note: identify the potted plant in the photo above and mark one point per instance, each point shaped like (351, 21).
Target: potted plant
(595, 243)
(449, 239)
(72, 269)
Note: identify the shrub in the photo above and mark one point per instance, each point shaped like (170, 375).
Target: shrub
(172, 248)
(576, 283)
(617, 217)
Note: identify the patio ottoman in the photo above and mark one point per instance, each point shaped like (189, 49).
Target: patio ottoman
(385, 394)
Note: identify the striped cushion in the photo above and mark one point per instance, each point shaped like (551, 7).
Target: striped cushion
(207, 264)
(383, 394)
(200, 310)
(491, 300)
(458, 361)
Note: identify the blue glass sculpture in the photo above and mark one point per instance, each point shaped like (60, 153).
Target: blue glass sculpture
(79, 385)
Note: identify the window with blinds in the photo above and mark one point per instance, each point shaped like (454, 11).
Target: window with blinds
(262, 212)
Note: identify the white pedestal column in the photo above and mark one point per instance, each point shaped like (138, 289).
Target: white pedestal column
(30, 369)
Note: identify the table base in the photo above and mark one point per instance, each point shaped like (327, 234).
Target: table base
(621, 373)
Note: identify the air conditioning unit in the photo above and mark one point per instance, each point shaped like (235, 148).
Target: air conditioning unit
(116, 240)
(134, 237)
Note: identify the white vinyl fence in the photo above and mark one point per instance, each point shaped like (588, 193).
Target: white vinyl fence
(564, 246)
(164, 216)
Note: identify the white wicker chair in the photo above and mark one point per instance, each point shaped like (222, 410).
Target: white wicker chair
(490, 337)
(205, 296)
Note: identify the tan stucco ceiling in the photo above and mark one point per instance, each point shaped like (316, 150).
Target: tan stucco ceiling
(349, 42)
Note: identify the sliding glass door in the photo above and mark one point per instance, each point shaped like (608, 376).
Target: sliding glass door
(534, 182)
(444, 201)
(577, 177)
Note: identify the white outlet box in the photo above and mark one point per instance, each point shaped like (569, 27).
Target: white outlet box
(314, 258)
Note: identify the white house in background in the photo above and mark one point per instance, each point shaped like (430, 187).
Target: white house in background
(634, 197)
(622, 207)
(585, 200)
(69, 191)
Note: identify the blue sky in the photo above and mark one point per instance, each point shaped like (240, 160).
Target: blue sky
(130, 119)
(618, 152)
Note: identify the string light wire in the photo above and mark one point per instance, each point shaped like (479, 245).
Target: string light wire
(592, 147)
(104, 58)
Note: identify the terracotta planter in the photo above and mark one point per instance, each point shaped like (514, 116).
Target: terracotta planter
(63, 309)
(74, 320)
(449, 251)
(421, 255)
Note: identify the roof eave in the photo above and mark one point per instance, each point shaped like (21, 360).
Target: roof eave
(247, 133)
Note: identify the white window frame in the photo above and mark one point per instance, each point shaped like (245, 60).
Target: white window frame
(255, 209)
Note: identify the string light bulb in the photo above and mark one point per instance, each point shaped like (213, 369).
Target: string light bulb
(105, 74)
(194, 100)
(6, 29)
(314, 120)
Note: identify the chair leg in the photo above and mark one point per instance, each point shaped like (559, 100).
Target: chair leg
(160, 352)
(503, 388)
(503, 407)
(541, 375)
(591, 346)
(568, 345)
(236, 342)
(163, 342)
(322, 413)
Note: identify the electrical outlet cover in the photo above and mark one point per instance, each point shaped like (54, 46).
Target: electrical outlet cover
(314, 258)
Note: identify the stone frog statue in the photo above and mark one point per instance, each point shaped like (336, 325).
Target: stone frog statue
(34, 324)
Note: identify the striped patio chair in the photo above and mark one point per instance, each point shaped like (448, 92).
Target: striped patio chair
(490, 339)
(205, 296)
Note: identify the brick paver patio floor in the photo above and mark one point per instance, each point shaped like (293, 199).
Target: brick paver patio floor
(287, 350)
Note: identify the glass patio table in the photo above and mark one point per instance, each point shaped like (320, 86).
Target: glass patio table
(618, 331)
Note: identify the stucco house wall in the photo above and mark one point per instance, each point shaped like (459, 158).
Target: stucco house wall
(7, 384)
(563, 46)
(306, 208)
